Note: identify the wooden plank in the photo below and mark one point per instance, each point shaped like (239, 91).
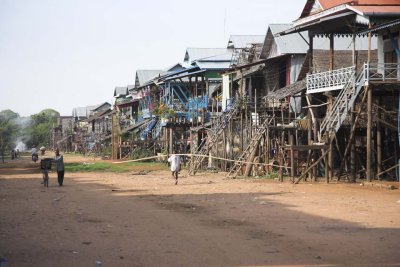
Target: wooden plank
(305, 147)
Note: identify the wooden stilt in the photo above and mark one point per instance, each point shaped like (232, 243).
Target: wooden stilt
(353, 131)
(311, 166)
(369, 135)
(378, 144)
(352, 149)
(292, 168)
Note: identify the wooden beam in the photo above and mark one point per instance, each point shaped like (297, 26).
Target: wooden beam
(331, 51)
(387, 124)
(352, 132)
(310, 167)
(305, 147)
(385, 171)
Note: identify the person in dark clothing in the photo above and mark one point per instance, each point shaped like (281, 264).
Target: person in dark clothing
(59, 161)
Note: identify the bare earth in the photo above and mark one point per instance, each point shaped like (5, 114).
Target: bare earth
(206, 220)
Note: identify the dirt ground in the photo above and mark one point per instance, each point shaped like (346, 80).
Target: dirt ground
(206, 220)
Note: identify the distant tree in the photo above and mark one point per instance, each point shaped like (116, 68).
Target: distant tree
(39, 129)
(9, 131)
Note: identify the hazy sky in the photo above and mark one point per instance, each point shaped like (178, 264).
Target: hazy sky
(63, 54)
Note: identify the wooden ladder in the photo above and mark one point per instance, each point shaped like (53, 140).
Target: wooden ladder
(214, 133)
(233, 172)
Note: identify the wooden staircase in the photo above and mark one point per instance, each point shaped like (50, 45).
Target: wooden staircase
(215, 132)
(343, 103)
(233, 172)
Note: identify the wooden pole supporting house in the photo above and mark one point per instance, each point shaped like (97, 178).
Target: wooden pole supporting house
(311, 167)
(267, 145)
(314, 122)
(292, 165)
(120, 146)
(329, 161)
(369, 116)
(378, 143)
(309, 141)
(353, 131)
(281, 158)
(369, 135)
(114, 136)
(331, 51)
(250, 160)
(313, 133)
(280, 173)
(352, 122)
(224, 148)
(171, 142)
(327, 166)
(352, 148)
(310, 52)
(196, 100)
(241, 94)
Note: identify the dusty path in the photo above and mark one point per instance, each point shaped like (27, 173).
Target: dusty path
(207, 220)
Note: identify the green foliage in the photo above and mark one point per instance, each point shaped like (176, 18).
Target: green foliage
(38, 131)
(9, 130)
(8, 114)
(160, 109)
(111, 167)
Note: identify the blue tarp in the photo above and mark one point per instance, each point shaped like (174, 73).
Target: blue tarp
(148, 129)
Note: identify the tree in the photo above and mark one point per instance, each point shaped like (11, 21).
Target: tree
(39, 129)
(9, 130)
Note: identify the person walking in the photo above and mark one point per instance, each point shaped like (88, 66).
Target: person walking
(59, 161)
(175, 162)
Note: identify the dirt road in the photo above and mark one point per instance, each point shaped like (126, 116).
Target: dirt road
(207, 220)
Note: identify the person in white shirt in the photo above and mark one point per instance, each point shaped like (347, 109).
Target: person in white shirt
(175, 162)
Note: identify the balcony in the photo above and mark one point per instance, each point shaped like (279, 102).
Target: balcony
(382, 72)
(329, 80)
(337, 79)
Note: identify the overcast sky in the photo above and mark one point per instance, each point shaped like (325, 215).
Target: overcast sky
(63, 54)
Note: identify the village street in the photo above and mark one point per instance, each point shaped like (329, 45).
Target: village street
(207, 220)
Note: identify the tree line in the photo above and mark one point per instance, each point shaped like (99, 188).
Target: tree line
(32, 130)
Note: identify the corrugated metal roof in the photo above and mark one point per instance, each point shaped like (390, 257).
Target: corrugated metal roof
(289, 90)
(219, 65)
(295, 44)
(143, 76)
(288, 44)
(82, 112)
(241, 41)
(194, 54)
(120, 91)
(102, 105)
(381, 26)
(79, 112)
(222, 57)
(85, 112)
